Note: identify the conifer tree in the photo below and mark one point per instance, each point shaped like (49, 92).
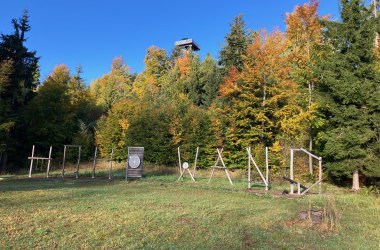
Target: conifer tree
(210, 78)
(236, 44)
(349, 92)
(19, 79)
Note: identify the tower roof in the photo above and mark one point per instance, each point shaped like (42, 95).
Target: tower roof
(188, 43)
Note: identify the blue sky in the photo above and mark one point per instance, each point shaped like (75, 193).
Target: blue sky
(91, 33)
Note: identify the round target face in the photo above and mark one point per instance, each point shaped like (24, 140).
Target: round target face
(134, 161)
(185, 165)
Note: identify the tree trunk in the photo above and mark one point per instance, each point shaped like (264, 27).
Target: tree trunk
(355, 180)
(3, 162)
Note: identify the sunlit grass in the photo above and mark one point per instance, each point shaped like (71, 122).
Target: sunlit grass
(159, 212)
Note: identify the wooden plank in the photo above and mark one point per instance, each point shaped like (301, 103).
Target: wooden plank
(39, 158)
(307, 189)
(219, 167)
(310, 154)
(294, 182)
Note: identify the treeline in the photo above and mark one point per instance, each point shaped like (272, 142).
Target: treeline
(316, 85)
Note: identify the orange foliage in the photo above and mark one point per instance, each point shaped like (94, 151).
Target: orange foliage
(184, 66)
(304, 30)
(229, 85)
(267, 66)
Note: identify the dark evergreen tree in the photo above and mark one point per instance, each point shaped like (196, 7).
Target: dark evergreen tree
(20, 73)
(236, 44)
(210, 77)
(349, 92)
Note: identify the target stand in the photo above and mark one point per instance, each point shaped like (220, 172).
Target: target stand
(185, 166)
(223, 167)
(135, 162)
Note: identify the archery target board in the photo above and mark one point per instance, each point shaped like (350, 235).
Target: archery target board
(135, 162)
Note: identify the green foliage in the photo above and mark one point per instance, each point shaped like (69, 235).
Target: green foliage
(210, 78)
(18, 81)
(349, 95)
(114, 86)
(236, 41)
(85, 138)
(61, 112)
(6, 121)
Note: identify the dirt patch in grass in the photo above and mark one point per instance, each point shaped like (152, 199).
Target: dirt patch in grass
(187, 221)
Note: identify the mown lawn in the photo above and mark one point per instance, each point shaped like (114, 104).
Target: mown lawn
(159, 212)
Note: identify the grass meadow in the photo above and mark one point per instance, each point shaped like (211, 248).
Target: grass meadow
(160, 212)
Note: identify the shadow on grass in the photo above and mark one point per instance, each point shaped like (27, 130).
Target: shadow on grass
(39, 181)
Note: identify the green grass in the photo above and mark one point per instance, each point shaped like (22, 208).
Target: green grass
(159, 212)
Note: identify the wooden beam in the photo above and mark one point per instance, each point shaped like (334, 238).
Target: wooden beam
(31, 163)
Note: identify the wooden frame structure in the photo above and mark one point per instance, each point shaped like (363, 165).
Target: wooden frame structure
(298, 184)
(223, 167)
(31, 158)
(251, 160)
(110, 160)
(185, 166)
(64, 159)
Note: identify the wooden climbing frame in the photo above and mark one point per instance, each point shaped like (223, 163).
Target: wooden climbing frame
(32, 158)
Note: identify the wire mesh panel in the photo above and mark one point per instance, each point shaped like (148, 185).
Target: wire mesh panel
(135, 162)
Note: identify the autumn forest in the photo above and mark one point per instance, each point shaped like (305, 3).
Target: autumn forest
(315, 85)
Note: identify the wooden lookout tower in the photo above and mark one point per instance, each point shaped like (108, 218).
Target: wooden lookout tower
(187, 44)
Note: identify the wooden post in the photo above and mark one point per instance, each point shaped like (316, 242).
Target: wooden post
(267, 165)
(93, 168)
(228, 175)
(195, 163)
(320, 175)
(310, 157)
(212, 172)
(179, 161)
(291, 170)
(77, 172)
(249, 170)
(31, 163)
(48, 166)
(64, 159)
(110, 171)
(298, 188)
